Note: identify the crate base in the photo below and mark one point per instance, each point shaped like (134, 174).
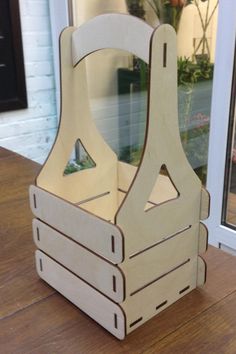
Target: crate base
(121, 319)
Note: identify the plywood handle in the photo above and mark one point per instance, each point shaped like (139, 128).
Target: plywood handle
(112, 31)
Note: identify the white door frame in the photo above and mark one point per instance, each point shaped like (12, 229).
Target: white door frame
(219, 123)
(61, 17)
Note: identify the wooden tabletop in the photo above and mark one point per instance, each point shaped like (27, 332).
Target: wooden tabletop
(35, 319)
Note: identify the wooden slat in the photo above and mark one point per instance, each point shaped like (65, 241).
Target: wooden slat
(96, 234)
(104, 276)
(151, 264)
(102, 310)
(146, 303)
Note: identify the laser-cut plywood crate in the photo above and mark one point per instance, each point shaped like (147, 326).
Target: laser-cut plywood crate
(121, 243)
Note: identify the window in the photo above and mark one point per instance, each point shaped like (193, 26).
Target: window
(12, 75)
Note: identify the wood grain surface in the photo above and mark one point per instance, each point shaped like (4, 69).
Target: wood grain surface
(36, 320)
(19, 284)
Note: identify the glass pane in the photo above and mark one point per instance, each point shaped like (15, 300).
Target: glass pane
(229, 205)
(119, 80)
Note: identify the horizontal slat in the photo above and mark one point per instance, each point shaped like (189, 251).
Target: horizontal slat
(104, 276)
(150, 264)
(145, 304)
(101, 309)
(87, 229)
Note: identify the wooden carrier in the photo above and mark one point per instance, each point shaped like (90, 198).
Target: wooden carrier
(121, 243)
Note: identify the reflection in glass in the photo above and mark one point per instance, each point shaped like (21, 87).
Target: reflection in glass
(118, 81)
(229, 203)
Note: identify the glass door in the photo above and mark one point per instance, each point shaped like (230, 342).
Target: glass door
(221, 181)
(118, 81)
(121, 80)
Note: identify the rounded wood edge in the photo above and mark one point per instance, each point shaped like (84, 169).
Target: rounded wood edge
(201, 271)
(203, 238)
(205, 198)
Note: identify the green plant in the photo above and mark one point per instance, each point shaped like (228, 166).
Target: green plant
(190, 73)
(206, 69)
(187, 73)
(78, 165)
(131, 154)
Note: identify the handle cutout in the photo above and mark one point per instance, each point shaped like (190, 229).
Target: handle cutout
(173, 193)
(79, 160)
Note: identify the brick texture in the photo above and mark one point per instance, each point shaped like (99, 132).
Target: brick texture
(31, 131)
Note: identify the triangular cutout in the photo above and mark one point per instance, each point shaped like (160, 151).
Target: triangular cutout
(79, 159)
(163, 191)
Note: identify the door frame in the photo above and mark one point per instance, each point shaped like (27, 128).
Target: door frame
(219, 123)
(60, 17)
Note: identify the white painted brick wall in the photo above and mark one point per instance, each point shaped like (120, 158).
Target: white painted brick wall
(31, 131)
